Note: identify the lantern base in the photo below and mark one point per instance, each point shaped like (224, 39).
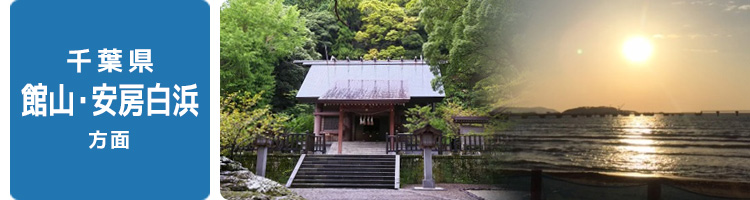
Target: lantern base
(429, 189)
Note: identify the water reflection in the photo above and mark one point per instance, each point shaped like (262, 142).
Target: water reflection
(638, 124)
(636, 151)
(690, 146)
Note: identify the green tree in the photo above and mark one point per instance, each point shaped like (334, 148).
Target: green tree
(347, 10)
(289, 77)
(310, 5)
(242, 120)
(302, 119)
(325, 30)
(474, 37)
(345, 45)
(441, 117)
(384, 24)
(255, 35)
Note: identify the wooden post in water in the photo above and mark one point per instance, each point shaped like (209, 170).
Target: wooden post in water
(736, 113)
(536, 184)
(654, 190)
(717, 113)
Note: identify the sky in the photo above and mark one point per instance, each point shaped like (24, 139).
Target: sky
(571, 55)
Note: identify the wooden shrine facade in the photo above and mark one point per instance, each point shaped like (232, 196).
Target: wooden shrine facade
(364, 100)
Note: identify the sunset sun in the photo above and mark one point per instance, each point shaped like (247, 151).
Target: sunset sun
(637, 49)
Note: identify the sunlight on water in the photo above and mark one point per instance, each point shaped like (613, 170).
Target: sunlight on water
(638, 152)
(638, 125)
(638, 149)
(712, 147)
(635, 141)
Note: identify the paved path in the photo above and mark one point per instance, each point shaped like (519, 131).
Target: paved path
(452, 191)
(367, 148)
(358, 148)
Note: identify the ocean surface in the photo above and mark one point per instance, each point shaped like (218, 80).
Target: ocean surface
(707, 146)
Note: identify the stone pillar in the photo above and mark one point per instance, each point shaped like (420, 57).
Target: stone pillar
(260, 164)
(427, 182)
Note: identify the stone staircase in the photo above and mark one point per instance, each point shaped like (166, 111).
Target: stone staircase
(346, 171)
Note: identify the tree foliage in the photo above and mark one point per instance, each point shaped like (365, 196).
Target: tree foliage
(474, 37)
(325, 30)
(441, 117)
(384, 24)
(302, 119)
(366, 28)
(467, 42)
(255, 35)
(242, 120)
(288, 77)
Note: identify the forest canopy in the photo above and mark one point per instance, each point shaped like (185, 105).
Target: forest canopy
(466, 42)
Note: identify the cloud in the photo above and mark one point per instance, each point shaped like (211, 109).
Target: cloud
(704, 2)
(737, 8)
(693, 36)
(726, 6)
(689, 36)
(702, 50)
(666, 36)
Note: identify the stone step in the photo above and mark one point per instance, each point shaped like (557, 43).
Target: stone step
(342, 185)
(351, 181)
(363, 169)
(350, 162)
(349, 177)
(346, 171)
(304, 165)
(350, 156)
(349, 159)
(364, 173)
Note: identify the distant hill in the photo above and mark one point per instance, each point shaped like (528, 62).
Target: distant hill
(540, 110)
(596, 110)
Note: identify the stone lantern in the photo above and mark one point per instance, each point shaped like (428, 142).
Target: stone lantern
(262, 142)
(428, 138)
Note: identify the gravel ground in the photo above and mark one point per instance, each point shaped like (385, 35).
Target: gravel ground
(452, 191)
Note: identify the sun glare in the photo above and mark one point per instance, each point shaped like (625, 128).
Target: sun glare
(637, 49)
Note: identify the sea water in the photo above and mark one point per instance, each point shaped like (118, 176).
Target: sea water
(699, 146)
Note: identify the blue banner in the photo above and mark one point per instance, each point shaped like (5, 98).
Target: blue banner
(109, 99)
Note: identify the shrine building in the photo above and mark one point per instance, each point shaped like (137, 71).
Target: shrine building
(365, 100)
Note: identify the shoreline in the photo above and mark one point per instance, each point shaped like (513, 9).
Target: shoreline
(699, 186)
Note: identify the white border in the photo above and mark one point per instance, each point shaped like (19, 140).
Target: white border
(5, 102)
(215, 87)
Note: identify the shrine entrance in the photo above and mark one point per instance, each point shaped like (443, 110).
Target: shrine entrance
(357, 121)
(370, 128)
